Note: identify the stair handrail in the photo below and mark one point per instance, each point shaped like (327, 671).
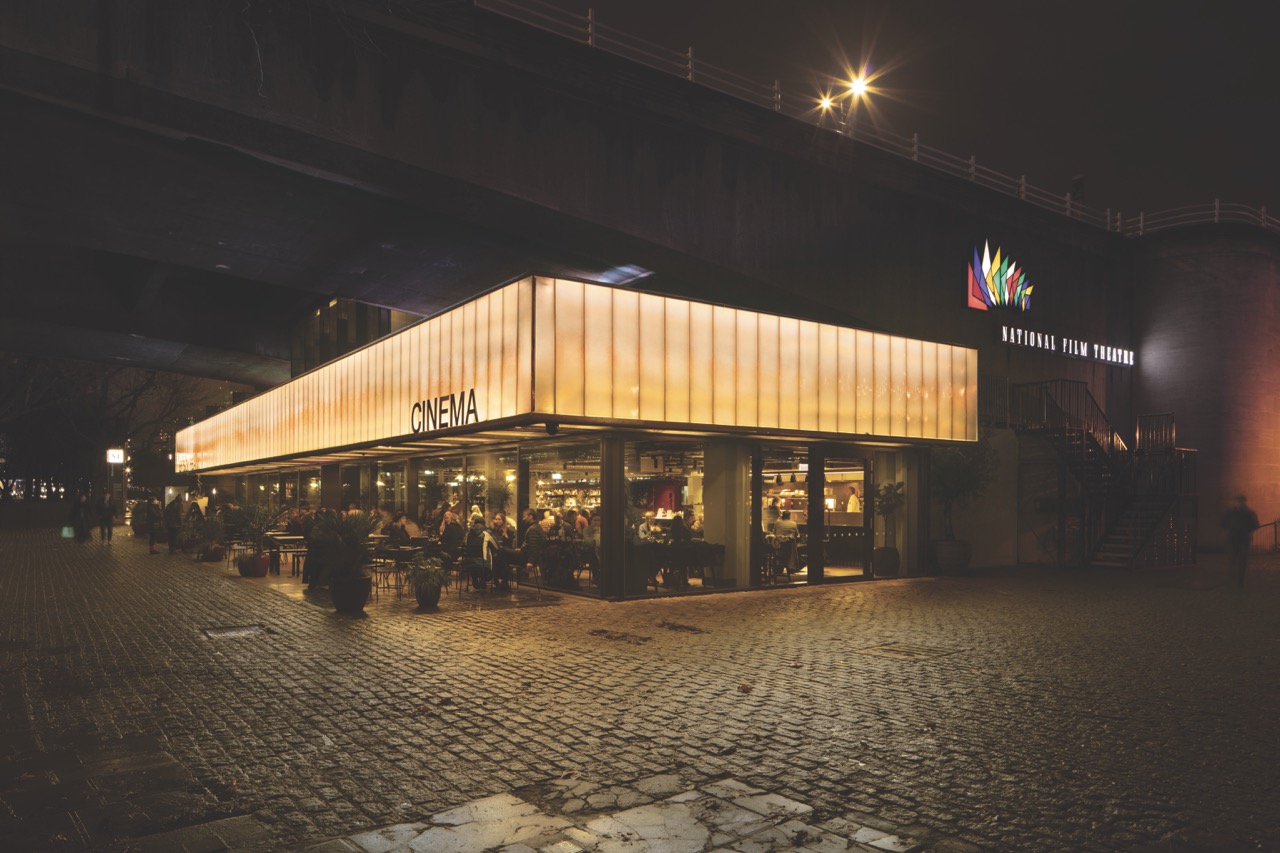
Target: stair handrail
(1079, 409)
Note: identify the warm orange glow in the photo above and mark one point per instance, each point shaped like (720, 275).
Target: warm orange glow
(553, 347)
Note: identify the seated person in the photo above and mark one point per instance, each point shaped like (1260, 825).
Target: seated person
(591, 536)
(535, 539)
(399, 532)
(505, 553)
(679, 534)
(785, 536)
(451, 534)
(784, 529)
(569, 529)
(477, 553)
(649, 531)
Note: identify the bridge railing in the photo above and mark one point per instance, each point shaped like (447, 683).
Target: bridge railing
(585, 29)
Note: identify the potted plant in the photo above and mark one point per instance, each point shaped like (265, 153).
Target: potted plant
(343, 546)
(890, 497)
(256, 520)
(958, 475)
(212, 533)
(426, 576)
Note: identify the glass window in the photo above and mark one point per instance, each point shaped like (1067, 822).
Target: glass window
(560, 486)
(686, 516)
(441, 489)
(491, 480)
(391, 486)
(357, 487)
(309, 483)
(784, 515)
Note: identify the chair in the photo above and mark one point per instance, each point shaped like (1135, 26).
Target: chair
(784, 558)
(455, 575)
(532, 570)
(386, 575)
(237, 547)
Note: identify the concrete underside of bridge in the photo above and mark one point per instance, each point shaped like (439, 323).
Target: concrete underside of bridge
(185, 181)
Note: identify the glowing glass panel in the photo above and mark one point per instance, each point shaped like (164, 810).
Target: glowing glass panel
(558, 347)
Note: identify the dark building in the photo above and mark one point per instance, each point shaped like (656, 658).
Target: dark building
(268, 156)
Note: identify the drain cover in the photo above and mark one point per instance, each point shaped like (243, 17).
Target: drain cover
(908, 651)
(235, 631)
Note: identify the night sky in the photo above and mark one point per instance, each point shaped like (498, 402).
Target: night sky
(1157, 104)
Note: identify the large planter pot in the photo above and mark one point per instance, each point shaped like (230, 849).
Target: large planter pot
(951, 555)
(350, 594)
(254, 567)
(886, 562)
(214, 554)
(428, 596)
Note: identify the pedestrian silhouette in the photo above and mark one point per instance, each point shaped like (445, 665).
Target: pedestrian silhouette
(1240, 522)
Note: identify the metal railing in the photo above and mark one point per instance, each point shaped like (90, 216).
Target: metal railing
(1266, 538)
(1065, 402)
(585, 29)
(1156, 432)
(1172, 541)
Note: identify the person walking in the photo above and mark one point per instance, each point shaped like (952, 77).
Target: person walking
(79, 520)
(106, 517)
(1240, 522)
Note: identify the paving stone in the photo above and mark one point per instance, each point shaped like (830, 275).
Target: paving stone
(671, 827)
(661, 786)
(867, 835)
(894, 844)
(1033, 732)
(771, 805)
(337, 845)
(791, 835)
(495, 821)
(729, 789)
(387, 838)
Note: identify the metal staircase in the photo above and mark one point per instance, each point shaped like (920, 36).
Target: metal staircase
(1138, 505)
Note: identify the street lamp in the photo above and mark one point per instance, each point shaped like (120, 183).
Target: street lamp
(844, 106)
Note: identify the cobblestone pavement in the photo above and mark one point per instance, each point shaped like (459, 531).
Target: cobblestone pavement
(1005, 710)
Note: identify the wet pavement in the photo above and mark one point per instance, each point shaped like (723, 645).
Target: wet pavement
(157, 703)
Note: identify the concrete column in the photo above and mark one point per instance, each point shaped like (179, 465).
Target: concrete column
(726, 494)
(816, 521)
(411, 488)
(331, 486)
(613, 503)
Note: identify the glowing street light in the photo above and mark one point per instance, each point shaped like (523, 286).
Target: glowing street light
(843, 104)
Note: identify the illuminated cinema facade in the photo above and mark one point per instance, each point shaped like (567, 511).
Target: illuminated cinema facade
(554, 394)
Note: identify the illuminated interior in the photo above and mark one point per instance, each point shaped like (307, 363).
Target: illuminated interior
(545, 350)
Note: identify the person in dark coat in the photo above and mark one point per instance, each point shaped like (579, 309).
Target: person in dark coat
(173, 523)
(535, 538)
(106, 517)
(154, 523)
(1240, 522)
(505, 554)
(451, 534)
(477, 552)
(79, 520)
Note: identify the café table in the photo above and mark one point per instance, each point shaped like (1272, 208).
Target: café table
(291, 543)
